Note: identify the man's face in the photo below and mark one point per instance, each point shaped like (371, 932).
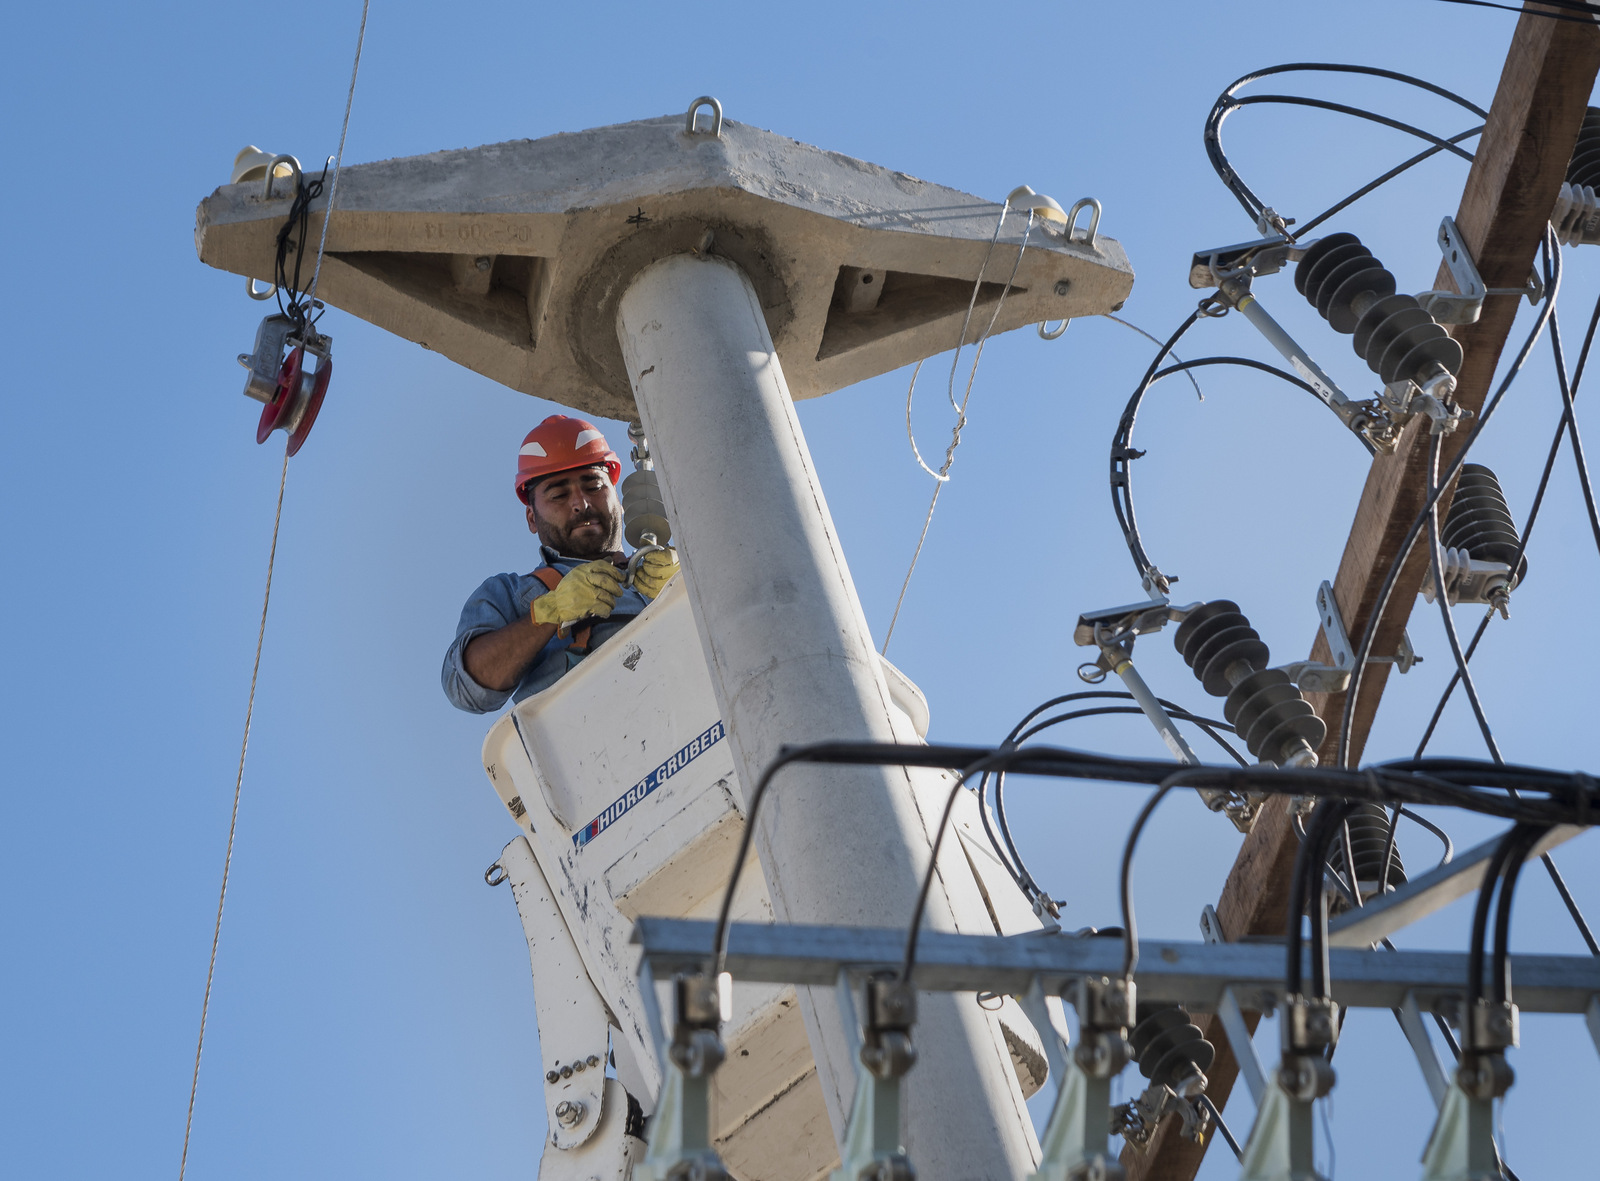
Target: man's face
(576, 513)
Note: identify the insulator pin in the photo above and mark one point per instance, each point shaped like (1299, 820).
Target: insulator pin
(1355, 293)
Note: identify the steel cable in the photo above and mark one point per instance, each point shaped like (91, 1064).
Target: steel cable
(233, 820)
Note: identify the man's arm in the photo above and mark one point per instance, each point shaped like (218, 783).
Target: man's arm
(497, 659)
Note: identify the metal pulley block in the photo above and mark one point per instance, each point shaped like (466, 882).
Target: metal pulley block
(289, 372)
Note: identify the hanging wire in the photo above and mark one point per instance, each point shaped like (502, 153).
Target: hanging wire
(1523, 11)
(233, 820)
(1567, 415)
(943, 474)
(304, 195)
(338, 159)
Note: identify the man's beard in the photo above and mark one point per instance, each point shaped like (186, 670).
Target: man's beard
(593, 545)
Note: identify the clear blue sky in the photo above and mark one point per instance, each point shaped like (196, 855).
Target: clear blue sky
(373, 1009)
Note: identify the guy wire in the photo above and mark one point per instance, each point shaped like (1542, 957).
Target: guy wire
(233, 820)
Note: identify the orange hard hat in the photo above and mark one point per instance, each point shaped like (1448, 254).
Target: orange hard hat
(559, 444)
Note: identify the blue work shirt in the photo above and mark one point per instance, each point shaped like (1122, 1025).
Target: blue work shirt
(504, 599)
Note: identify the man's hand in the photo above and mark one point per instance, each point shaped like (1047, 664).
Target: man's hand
(655, 569)
(587, 590)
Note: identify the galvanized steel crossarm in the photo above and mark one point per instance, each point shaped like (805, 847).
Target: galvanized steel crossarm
(1179, 972)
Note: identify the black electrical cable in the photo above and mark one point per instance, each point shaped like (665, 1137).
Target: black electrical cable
(1480, 917)
(1216, 1114)
(1551, 251)
(1295, 100)
(1121, 474)
(1570, 798)
(915, 927)
(1226, 104)
(1569, 414)
(1316, 894)
(1386, 591)
(1444, 837)
(1130, 928)
(1405, 166)
(1533, 516)
(1123, 452)
(1521, 11)
(1009, 856)
(1031, 886)
(1501, 979)
(292, 236)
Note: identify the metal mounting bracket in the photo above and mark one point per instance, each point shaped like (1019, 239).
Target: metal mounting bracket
(1466, 304)
(1313, 677)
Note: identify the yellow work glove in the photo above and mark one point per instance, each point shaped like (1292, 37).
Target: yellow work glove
(655, 569)
(588, 590)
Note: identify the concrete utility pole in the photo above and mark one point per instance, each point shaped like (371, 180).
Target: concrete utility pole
(1511, 190)
(663, 268)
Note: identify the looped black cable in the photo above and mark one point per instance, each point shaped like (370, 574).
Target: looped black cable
(1123, 453)
(292, 237)
(1226, 103)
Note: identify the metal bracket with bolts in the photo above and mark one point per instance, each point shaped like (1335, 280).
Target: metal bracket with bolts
(680, 1138)
(1112, 630)
(1314, 677)
(873, 1150)
(1074, 1145)
(1465, 304)
(1231, 269)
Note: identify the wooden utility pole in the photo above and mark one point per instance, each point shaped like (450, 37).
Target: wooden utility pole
(1516, 175)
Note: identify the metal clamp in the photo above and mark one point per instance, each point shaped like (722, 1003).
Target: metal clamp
(1464, 305)
(680, 1144)
(1315, 677)
(716, 116)
(872, 1141)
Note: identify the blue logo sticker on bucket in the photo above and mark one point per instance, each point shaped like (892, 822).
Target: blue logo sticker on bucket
(635, 794)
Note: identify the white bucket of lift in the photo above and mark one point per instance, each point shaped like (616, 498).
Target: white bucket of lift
(621, 777)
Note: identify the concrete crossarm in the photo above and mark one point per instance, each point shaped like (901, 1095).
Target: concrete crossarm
(510, 258)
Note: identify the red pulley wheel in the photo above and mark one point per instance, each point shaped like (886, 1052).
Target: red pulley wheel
(313, 404)
(283, 401)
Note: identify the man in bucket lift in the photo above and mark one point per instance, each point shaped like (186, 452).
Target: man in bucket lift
(520, 633)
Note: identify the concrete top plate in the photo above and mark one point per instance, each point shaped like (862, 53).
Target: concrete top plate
(510, 258)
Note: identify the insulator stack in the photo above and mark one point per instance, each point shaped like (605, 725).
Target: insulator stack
(1480, 522)
(1584, 167)
(1263, 705)
(1169, 1048)
(1354, 292)
(1576, 217)
(643, 510)
(1368, 826)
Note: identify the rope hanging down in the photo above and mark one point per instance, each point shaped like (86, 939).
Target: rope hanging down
(261, 633)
